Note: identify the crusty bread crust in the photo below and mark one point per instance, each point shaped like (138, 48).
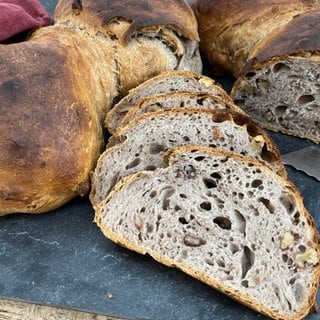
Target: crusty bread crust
(97, 14)
(234, 32)
(110, 222)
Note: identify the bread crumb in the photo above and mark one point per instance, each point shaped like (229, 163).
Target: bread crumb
(110, 295)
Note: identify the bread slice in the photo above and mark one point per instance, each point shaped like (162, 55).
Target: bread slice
(183, 99)
(141, 144)
(226, 220)
(168, 81)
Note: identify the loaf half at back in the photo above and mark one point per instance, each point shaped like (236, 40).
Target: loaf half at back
(141, 144)
(226, 220)
(275, 66)
(166, 82)
(56, 88)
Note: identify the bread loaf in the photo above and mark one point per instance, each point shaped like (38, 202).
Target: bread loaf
(272, 49)
(226, 220)
(141, 144)
(183, 99)
(56, 88)
(166, 82)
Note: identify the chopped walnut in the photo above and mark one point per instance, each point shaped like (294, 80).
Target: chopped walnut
(310, 256)
(287, 240)
(258, 143)
(206, 82)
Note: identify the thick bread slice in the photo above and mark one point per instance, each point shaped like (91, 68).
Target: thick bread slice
(183, 99)
(141, 144)
(168, 81)
(226, 220)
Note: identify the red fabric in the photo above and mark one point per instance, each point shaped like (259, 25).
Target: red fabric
(17, 16)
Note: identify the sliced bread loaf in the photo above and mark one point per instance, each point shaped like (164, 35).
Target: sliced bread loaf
(141, 144)
(168, 81)
(276, 66)
(226, 220)
(183, 99)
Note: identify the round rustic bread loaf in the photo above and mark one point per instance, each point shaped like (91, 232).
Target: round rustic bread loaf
(56, 88)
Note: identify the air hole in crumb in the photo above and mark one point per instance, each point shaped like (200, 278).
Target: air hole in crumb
(209, 262)
(177, 208)
(133, 164)
(183, 196)
(200, 158)
(305, 99)
(256, 183)
(153, 194)
(280, 67)
(267, 204)
(247, 261)
(114, 179)
(223, 222)
(150, 168)
(216, 175)
(280, 110)
(221, 263)
(241, 221)
(210, 183)
(150, 228)
(183, 220)
(233, 248)
(205, 205)
(250, 74)
(284, 258)
(245, 283)
(296, 218)
(157, 148)
(288, 202)
(165, 204)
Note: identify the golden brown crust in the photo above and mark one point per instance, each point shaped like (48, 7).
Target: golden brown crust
(45, 158)
(233, 32)
(299, 37)
(145, 14)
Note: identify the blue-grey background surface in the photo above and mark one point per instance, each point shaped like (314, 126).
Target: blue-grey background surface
(61, 258)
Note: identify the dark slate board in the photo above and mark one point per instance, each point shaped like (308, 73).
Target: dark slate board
(61, 258)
